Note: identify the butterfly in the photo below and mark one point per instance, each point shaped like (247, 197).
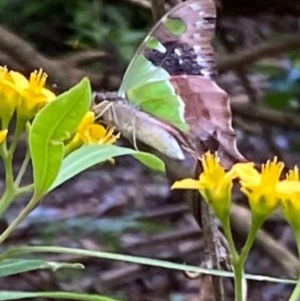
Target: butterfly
(168, 97)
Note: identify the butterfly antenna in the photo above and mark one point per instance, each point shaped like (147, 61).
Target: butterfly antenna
(102, 108)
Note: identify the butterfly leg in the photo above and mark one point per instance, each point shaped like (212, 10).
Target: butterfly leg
(102, 108)
(134, 132)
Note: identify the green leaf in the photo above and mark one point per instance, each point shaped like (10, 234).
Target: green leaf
(51, 126)
(278, 99)
(15, 295)
(17, 266)
(90, 155)
(138, 260)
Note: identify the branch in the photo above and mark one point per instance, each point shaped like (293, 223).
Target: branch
(258, 7)
(142, 3)
(271, 49)
(20, 53)
(268, 116)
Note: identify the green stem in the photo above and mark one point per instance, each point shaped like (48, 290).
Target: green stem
(228, 234)
(12, 189)
(8, 194)
(240, 289)
(29, 207)
(24, 189)
(7, 154)
(15, 252)
(22, 169)
(6, 199)
(256, 223)
(238, 266)
(238, 260)
(296, 292)
(7, 161)
(20, 125)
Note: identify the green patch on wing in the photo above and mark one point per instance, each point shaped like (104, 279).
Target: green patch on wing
(155, 44)
(139, 72)
(175, 26)
(159, 98)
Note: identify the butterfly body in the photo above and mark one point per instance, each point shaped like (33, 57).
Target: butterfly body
(135, 124)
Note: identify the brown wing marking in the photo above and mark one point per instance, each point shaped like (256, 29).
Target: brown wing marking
(208, 113)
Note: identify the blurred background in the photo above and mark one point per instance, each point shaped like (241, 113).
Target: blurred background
(125, 207)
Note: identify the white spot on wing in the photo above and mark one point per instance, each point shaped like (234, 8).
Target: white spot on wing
(177, 52)
(197, 49)
(206, 73)
(195, 6)
(199, 24)
(161, 48)
(201, 61)
(197, 36)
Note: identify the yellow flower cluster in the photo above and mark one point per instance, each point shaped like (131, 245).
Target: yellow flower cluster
(26, 97)
(265, 190)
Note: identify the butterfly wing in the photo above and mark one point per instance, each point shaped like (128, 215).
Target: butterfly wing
(172, 77)
(173, 47)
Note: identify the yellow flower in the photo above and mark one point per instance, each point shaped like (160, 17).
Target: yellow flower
(3, 135)
(291, 199)
(91, 133)
(214, 184)
(8, 96)
(33, 93)
(88, 132)
(27, 97)
(293, 174)
(264, 189)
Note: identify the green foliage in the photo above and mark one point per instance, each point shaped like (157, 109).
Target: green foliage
(284, 90)
(11, 295)
(57, 26)
(45, 23)
(100, 23)
(16, 266)
(50, 128)
(137, 260)
(91, 155)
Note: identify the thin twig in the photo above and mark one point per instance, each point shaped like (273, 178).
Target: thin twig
(158, 9)
(267, 116)
(23, 54)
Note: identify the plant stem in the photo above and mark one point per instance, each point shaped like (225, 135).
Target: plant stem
(256, 223)
(240, 291)
(296, 292)
(9, 191)
(238, 260)
(22, 169)
(228, 233)
(20, 125)
(237, 263)
(29, 207)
